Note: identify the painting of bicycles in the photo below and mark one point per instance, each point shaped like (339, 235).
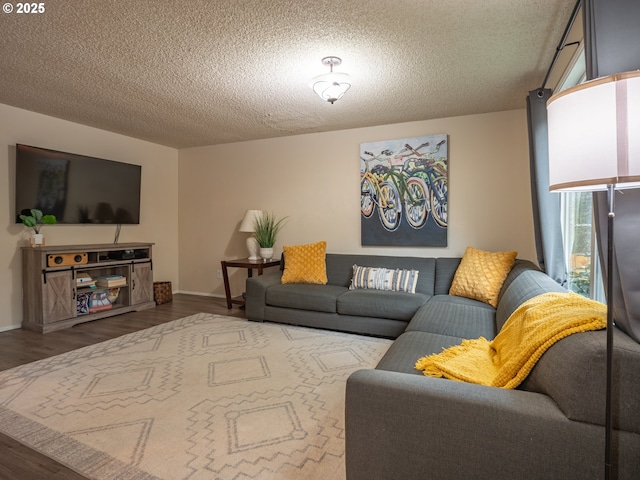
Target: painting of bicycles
(403, 191)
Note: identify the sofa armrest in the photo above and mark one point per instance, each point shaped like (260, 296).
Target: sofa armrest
(412, 427)
(256, 294)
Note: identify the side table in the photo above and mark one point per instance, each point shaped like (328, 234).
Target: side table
(250, 265)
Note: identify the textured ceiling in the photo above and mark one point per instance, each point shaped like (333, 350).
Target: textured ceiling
(202, 72)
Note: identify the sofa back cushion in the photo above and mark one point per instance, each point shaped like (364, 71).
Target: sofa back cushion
(445, 271)
(340, 268)
(524, 282)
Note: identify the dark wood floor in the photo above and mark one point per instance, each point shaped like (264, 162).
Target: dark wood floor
(18, 347)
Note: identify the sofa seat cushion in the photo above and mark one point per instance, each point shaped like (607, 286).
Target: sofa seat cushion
(411, 346)
(304, 296)
(380, 304)
(455, 316)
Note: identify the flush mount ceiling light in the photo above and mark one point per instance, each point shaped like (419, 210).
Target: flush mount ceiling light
(331, 86)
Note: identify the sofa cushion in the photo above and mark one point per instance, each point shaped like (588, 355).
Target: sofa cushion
(573, 373)
(519, 266)
(381, 304)
(340, 268)
(377, 327)
(305, 263)
(380, 278)
(506, 360)
(481, 274)
(409, 347)
(455, 316)
(445, 271)
(304, 296)
(522, 284)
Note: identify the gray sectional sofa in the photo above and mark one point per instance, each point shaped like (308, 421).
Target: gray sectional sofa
(333, 306)
(401, 424)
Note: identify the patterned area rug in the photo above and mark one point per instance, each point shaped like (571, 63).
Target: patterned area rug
(203, 397)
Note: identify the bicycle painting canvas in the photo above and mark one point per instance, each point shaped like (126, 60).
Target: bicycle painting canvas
(403, 191)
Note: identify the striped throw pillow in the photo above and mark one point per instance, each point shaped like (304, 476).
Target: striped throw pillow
(378, 278)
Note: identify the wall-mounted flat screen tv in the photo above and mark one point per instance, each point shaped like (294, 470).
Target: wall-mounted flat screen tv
(75, 188)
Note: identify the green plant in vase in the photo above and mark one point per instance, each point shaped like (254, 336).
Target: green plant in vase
(266, 228)
(35, 221)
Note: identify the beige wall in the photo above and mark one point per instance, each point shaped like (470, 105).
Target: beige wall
(159, 207)
(314, 180)
(198, 196)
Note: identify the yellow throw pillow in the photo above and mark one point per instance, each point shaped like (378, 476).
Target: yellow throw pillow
(481, 274)
(305, 263)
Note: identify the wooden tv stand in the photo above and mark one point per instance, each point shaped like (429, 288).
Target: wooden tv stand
(51, 297)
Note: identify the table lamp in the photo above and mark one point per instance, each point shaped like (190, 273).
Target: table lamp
(247, 225)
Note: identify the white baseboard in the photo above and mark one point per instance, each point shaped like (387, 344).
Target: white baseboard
(202, 294)
(10, 327)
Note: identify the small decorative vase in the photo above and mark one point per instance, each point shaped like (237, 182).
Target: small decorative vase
(37, 240)
(266, 253)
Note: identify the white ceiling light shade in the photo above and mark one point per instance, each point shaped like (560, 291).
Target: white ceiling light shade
(333, 85)
(593, 139)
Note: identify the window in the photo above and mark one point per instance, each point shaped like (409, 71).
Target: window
(580, 248)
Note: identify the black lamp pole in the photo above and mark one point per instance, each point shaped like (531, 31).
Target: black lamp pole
(608, 411)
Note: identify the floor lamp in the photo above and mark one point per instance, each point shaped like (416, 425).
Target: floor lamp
(594, 145)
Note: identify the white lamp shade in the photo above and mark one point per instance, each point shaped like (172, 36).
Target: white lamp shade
(331, 86)
(594, 135)
(249, 219)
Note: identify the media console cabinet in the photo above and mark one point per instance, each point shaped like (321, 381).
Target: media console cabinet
(53, 298)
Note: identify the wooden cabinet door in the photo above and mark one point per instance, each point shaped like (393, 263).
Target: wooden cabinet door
(59, 297)
(141, 283)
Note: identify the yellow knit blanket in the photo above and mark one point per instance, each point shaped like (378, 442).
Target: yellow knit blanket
(507, 360)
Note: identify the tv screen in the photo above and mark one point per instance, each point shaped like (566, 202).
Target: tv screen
(75, 188)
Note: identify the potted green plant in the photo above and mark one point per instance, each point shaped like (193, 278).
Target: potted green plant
(35, 221)
(266, 228)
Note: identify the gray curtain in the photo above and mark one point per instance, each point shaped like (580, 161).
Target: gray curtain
(612, 33)
(546, 205)
(625, 298)
(611, 36)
